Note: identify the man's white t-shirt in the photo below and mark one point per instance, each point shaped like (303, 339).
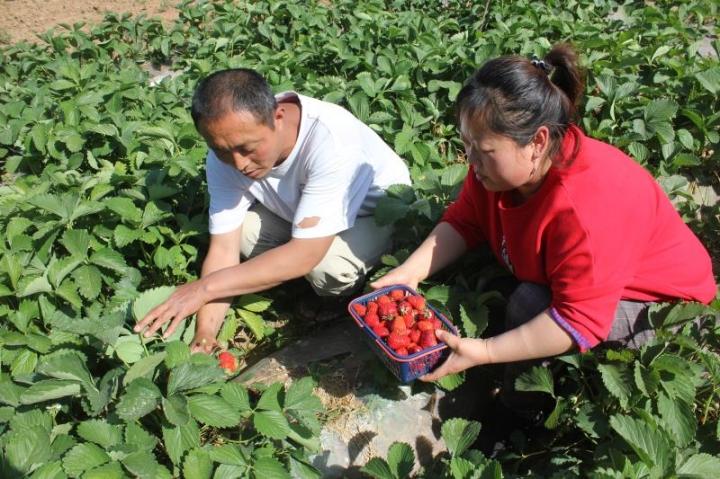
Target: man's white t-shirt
(337, 170)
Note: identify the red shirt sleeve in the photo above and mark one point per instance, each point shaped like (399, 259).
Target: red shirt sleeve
(467, 214)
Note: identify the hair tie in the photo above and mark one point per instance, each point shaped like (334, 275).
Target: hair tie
(540, 64)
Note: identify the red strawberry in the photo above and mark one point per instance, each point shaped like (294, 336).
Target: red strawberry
(381, 331)
(359, 309)
(428, 339)
(372, 307)
(415, 335)
(396, 340)
(372, 319)
(228, 362)
(402, 351)
(417, 302)
(437, 324)
(427, 314)
(414, 348)
(383, 300)
(404, 307)
(397, 294)
(398, 324)
(424, 325)
(409, 319)
(387, 310)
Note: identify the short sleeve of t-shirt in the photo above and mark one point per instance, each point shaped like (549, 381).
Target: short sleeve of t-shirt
(229, 196)
(337, 184)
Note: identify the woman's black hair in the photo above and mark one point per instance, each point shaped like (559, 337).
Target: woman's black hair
(233, 90)
(514, 96)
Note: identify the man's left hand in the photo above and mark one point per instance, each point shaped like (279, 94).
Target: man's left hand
(185, 301)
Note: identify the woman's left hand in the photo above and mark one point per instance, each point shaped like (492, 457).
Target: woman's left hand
(185, 301)
(466, 353)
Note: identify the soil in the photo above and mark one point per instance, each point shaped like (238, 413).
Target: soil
(25, 19)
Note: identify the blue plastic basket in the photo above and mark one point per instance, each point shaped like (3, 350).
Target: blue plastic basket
(405, 368)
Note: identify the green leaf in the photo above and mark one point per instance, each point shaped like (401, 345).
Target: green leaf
(49, 389)
(177, 353)
(701, 466)
(76, 242)
(459, 434)
(401, 459)
(125, 208)
(474, 319)
(191, 376)
(54, 470)
(176, 409)
(454, 175)
(300, 396)
(83, 457)
(226, 471)
(24, 363)
(89, 281)
(439, 294)
(100, 432)
(254, 302)
(450, 382)
(144, 368)
(227, 454)
(710, 79)
(647, 441)
(678, 418)
(272, 398)
(271, 424)
(254, 322)
(213, 411)
(26, 447)
(37, 285)
(553, 419)
(179, 439)
(269, 468)
(389, 210)
(618, 381)
(140, 398)
(66, 365)
(197, 465)
(129, 349)
(142, 464)
(537, 379)
(377, 468)
(69, 292)
(237, 395)
(660, 111)
(110, 259)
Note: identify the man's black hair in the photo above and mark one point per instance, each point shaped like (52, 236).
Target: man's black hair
(233, 90)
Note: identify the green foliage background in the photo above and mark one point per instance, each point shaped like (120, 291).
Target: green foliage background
(103, 196)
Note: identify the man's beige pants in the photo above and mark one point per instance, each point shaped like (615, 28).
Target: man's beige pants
(352, 253)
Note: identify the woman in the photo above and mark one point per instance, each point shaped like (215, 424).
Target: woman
(589, 234)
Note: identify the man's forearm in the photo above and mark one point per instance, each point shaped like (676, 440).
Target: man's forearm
(273, 267)
(540, 337)
(215, 311)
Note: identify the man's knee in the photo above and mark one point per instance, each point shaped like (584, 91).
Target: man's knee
(335, 276)
(527, 301)
(250, 234)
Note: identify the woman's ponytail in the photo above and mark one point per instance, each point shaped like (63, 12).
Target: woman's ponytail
(566, 74)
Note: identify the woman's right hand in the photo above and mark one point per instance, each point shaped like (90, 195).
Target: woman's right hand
(396, 276)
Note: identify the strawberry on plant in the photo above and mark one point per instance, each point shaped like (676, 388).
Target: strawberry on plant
(397, 294)
(228, 362)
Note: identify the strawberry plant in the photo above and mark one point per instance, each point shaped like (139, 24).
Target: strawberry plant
(103, 208)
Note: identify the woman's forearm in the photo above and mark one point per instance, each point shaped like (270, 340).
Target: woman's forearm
(442, 247)
(541, 337)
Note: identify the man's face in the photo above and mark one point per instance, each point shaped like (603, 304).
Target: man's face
(240, 140)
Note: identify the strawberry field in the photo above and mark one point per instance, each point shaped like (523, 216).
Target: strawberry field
(103, 209)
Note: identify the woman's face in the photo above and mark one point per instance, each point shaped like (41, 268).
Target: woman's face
(496, 160)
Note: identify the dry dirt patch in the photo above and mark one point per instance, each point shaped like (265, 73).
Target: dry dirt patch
(24, 19)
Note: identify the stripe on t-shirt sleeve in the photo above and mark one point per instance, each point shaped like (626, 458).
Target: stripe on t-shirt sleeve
(581, 340)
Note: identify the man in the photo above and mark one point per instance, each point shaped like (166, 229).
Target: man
(293, 183)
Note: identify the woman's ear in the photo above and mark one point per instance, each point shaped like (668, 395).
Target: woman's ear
(541, 141)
